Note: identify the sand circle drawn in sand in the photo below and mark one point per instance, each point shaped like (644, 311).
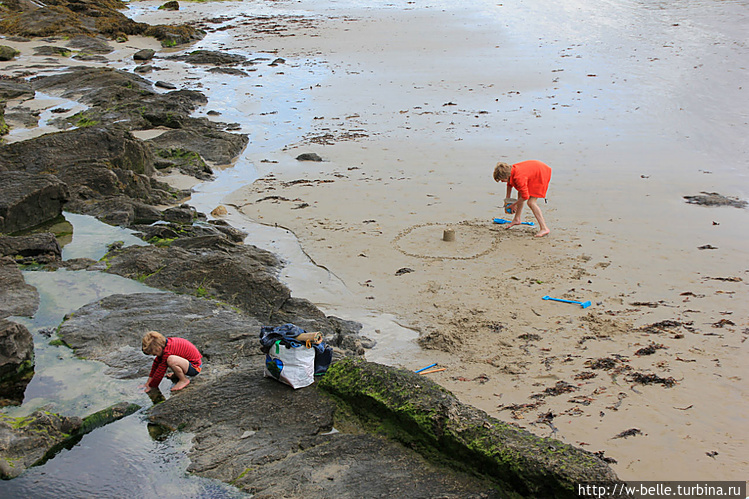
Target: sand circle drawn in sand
(472, 240)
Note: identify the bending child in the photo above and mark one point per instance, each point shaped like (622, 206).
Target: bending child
(531, 179)
(176, 353)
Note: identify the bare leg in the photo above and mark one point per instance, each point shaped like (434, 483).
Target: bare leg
(543, 229)
(180, 366)
(517, 219)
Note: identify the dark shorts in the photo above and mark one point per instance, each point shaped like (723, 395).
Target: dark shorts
(192, 371)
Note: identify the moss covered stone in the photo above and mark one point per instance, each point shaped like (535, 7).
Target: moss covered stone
(7, 53)
(32, 440)
(429, 418)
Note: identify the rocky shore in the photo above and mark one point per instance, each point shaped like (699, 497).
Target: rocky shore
(365, 430)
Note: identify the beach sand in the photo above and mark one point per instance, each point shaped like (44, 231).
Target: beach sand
(420, 102)
(411, 125)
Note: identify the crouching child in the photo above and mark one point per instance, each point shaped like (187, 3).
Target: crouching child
(178, 354)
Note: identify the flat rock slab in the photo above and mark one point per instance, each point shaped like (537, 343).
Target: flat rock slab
(426, 416)
(240, 275)
(32, 440)
(16, 362)
(16, 297)
(211, 57)
(29, 199)
(110, 330)
(12, 89)
(243, 276)
(72, 19)
(272, 441)
(216, 146)
(90, 45)
(41, 247)
(254, 432)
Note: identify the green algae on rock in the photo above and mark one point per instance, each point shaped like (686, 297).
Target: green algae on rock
(32, 440)
(70, 19)
(427, 417)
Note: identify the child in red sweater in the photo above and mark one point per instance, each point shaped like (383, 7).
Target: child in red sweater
(531, 179)
(176, 353)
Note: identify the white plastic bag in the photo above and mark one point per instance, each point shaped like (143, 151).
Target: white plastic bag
(294, 366)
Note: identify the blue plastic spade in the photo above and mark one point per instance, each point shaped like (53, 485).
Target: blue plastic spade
(425, 368)
(503, 221)
(584, 304)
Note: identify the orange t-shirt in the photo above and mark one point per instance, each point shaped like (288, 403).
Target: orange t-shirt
(530, 178)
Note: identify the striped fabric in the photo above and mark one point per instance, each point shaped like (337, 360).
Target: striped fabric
(174, 346)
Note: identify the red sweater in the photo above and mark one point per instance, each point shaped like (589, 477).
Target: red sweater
(174, 346)
(530, 178)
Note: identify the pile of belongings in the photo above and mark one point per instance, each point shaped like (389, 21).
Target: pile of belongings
(293, 356)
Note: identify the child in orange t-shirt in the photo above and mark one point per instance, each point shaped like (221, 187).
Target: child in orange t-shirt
(531, 179)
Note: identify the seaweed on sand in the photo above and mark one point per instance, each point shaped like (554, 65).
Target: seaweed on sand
(651, 379)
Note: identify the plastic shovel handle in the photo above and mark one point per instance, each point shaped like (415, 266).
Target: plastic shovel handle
(562, 299)
(503, 221)
(584, 304)
(425, 368)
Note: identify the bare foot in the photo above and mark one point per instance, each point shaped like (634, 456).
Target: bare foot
(180, 385)
(512, 224)
(543, 233)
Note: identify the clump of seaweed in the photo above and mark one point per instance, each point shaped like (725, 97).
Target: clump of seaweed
(530, 337)
(558, 389)
(629, 433)
(518, 410)
(615, 363)
(604, 458)
(661, 327)
(715, 199)
(604, 363)
(723, 322)
(651, 379)
(650, 349)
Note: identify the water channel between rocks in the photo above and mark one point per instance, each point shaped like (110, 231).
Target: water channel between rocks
(122, 456)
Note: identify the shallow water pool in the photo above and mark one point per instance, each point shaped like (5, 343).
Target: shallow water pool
(117, 460)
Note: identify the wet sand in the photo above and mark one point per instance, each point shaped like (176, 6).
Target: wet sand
(418, 103)
(439, 107)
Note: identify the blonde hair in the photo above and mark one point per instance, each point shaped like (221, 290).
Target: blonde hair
(153, 342)
(502, 171)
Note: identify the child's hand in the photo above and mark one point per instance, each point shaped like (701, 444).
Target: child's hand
(145, 388)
